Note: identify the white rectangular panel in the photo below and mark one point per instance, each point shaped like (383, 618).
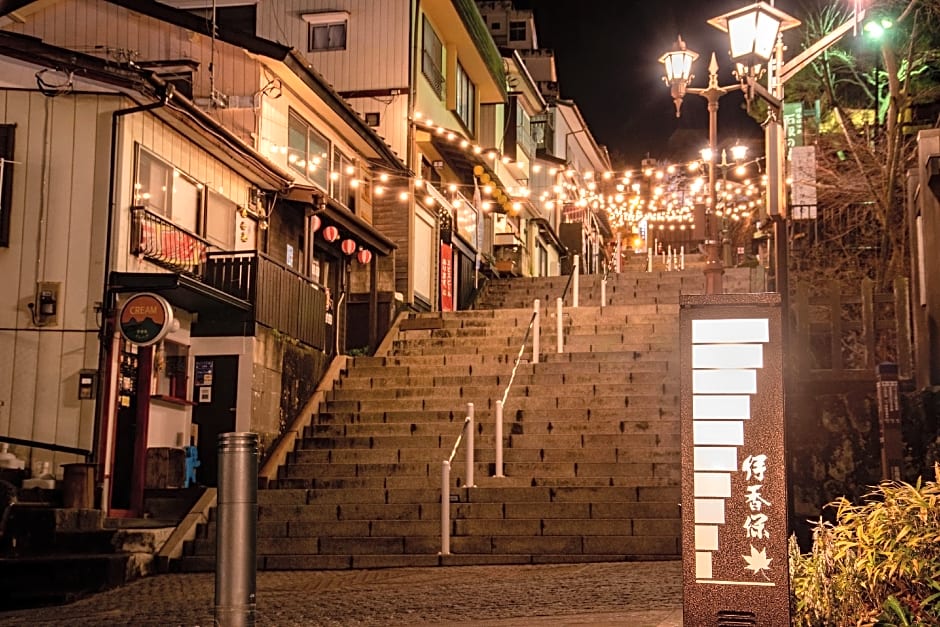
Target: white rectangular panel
(728, 356)
(718, 433)
(710, 511)
(721, 407)
(712, 485)
(715, 458)
(730, 331)
(703, 565)
(724, 381)
(706, 538)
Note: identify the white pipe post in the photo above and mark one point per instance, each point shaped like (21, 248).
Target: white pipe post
(574, 296)
(445, 508)
(558, 324)
(649, 259)
(499, 439)
(619, 264)
(603, 292)
(536, 324)
(470, 447)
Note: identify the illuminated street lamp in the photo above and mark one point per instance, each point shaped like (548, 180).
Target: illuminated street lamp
(678, 66)
(755, 32)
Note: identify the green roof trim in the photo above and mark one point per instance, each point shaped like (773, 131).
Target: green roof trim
(476, 27)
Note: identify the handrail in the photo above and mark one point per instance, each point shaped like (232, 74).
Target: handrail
(564, 292)
(445, 477)
(453, 451)
(515, 366)
(500, 402)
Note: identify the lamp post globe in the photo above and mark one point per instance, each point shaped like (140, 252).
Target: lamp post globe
(678, 66)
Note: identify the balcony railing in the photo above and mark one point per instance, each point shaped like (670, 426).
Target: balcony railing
(158, 240)
(283, 299)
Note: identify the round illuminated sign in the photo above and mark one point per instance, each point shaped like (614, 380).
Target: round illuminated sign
(145, 319)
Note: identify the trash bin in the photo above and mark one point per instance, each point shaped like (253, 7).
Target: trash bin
(78, 486)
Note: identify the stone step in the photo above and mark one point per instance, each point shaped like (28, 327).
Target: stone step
(484, 440)
(469, 390)
(350, 382)
(484, 454)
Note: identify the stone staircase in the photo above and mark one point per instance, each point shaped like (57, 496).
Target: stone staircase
(591, 439)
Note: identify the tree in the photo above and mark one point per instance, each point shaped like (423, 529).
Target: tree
(871, 100)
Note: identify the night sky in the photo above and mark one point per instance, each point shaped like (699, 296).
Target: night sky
(606, 54)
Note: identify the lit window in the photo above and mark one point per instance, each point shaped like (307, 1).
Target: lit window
(309, 151)
(466, 99)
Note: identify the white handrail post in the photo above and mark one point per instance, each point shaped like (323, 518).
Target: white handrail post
(603, 292)
(574, 295)
(470, 479)
(499, 439)
(535, 333)
(445, 508)
(558, 325)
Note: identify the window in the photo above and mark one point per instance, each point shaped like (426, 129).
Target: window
(166, 191)
(517, 31)
(326, 30)
(309, 151)
(6, 181)
(466, 99)
(345, 172)
(432, 59)
(220, 221)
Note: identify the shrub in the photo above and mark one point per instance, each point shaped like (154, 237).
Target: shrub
(877, 564)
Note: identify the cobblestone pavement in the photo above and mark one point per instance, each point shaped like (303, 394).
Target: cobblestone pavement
(634, 594)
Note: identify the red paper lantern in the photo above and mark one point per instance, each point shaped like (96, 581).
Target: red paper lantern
(348, 246)
(364, 256)
(315, 224)
(331, 233)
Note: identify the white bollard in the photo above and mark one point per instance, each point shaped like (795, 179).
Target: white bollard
(445, 508)
(558, 305)
(536, 324)
(470, 454)
(682, 258)
(499, 439)
(574, 296)
(649, 259)
(603, 292)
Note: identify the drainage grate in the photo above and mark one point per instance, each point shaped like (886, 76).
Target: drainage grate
(733, 618)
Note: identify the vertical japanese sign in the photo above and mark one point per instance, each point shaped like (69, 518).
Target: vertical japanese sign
(447, 277)
(734, 485)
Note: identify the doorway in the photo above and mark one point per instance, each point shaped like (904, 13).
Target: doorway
(215, 392)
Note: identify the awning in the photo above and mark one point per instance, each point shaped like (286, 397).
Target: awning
(219, 313)
(347, 222)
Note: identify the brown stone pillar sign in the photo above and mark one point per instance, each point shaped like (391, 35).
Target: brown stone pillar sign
(734, 480)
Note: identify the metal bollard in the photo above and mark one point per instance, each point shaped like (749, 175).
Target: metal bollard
(559, 329)
(603, 292)
(235, 567)
(498, 433)
(470, 450)
(575, 288)
(445, 508)
(535, 332)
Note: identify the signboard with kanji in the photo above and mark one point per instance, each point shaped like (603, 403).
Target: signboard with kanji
(734, 486)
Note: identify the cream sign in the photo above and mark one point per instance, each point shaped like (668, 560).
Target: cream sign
(734, 480)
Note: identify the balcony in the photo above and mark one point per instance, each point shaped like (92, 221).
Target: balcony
(277, 297)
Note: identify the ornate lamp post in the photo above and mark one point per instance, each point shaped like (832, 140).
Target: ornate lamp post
(756, 47)
(678, 65)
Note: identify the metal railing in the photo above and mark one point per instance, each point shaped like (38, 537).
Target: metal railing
(158, 240)
(533, 322)
(445, 477)
(560, 301)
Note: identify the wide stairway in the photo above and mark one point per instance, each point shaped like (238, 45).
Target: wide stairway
(590, 436)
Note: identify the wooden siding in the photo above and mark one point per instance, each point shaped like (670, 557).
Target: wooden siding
(83, 24)
(392, 111)
(377, 39)
(58, 203)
